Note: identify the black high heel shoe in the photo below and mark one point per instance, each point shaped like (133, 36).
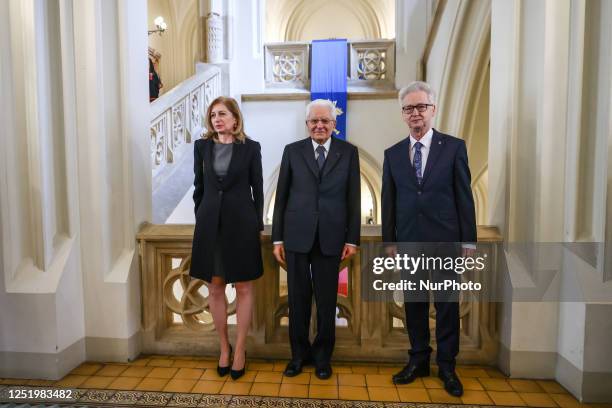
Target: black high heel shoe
(236, 374)
(223, 371)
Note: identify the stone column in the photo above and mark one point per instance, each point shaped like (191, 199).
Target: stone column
(75, 183)
(548, 176)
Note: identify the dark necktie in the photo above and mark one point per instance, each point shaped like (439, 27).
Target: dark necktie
(418, 161)
(321, 156)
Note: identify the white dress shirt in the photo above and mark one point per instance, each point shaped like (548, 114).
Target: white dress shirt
(325, 145)
(425, 149)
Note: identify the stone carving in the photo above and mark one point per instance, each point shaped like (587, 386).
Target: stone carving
(187, 301)
(372, 64)
(287, 67)
(214, 38)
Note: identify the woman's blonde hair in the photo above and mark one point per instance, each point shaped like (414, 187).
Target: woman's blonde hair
(232, 106)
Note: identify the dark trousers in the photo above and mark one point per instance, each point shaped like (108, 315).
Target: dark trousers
(307, 274)
(447, 312)
(447, 332)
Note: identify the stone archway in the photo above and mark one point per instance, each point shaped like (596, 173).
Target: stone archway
(462, 83)
(302, 20)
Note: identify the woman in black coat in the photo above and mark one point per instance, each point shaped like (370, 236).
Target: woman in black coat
(228, 201)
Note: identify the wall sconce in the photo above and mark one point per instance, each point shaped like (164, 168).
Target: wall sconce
(160, 24)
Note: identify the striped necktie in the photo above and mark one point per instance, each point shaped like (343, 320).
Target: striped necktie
(321, 156)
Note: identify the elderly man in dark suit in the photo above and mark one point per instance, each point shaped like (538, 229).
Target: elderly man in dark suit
(316, 224)
(427, 198)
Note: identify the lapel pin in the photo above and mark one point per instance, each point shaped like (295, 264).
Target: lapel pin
(439, 142)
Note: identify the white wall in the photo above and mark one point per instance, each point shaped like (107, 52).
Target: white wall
(245, 23)
(372, 125)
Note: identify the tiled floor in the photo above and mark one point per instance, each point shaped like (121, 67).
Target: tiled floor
(483, 385)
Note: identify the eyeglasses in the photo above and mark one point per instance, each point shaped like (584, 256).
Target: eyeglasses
(421, 107)
(324, 122)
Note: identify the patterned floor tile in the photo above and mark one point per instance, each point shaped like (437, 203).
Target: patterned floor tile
(375, 404)
(244, 402)
(155, 399)
(305, 403)
(96, 396)
(400, 405)
(185, 400)
(275, 403)
(125, 397)
(335, 404)
(209, 401)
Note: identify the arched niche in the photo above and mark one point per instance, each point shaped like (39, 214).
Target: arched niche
(305, 20)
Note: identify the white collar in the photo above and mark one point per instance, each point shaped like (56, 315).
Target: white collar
(325, 145)
(425, 140)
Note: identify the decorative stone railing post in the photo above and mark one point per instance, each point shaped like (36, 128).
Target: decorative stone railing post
(214, 37)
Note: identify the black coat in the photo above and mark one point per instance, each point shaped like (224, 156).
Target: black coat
(441, 209)
(306, 201)
(229, 213)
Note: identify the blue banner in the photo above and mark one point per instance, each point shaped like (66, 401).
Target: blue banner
(328, 77)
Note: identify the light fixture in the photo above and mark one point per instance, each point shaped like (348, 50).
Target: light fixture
(160, 24)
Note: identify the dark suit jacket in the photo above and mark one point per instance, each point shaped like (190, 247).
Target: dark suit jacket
(229, 214)
(442, 208)
(306, 201)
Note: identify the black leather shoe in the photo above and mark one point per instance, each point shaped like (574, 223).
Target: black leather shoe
(452, 385)
(410, 373)
(223, 371)
(293, 368)
(236, 374)
(323, 372)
